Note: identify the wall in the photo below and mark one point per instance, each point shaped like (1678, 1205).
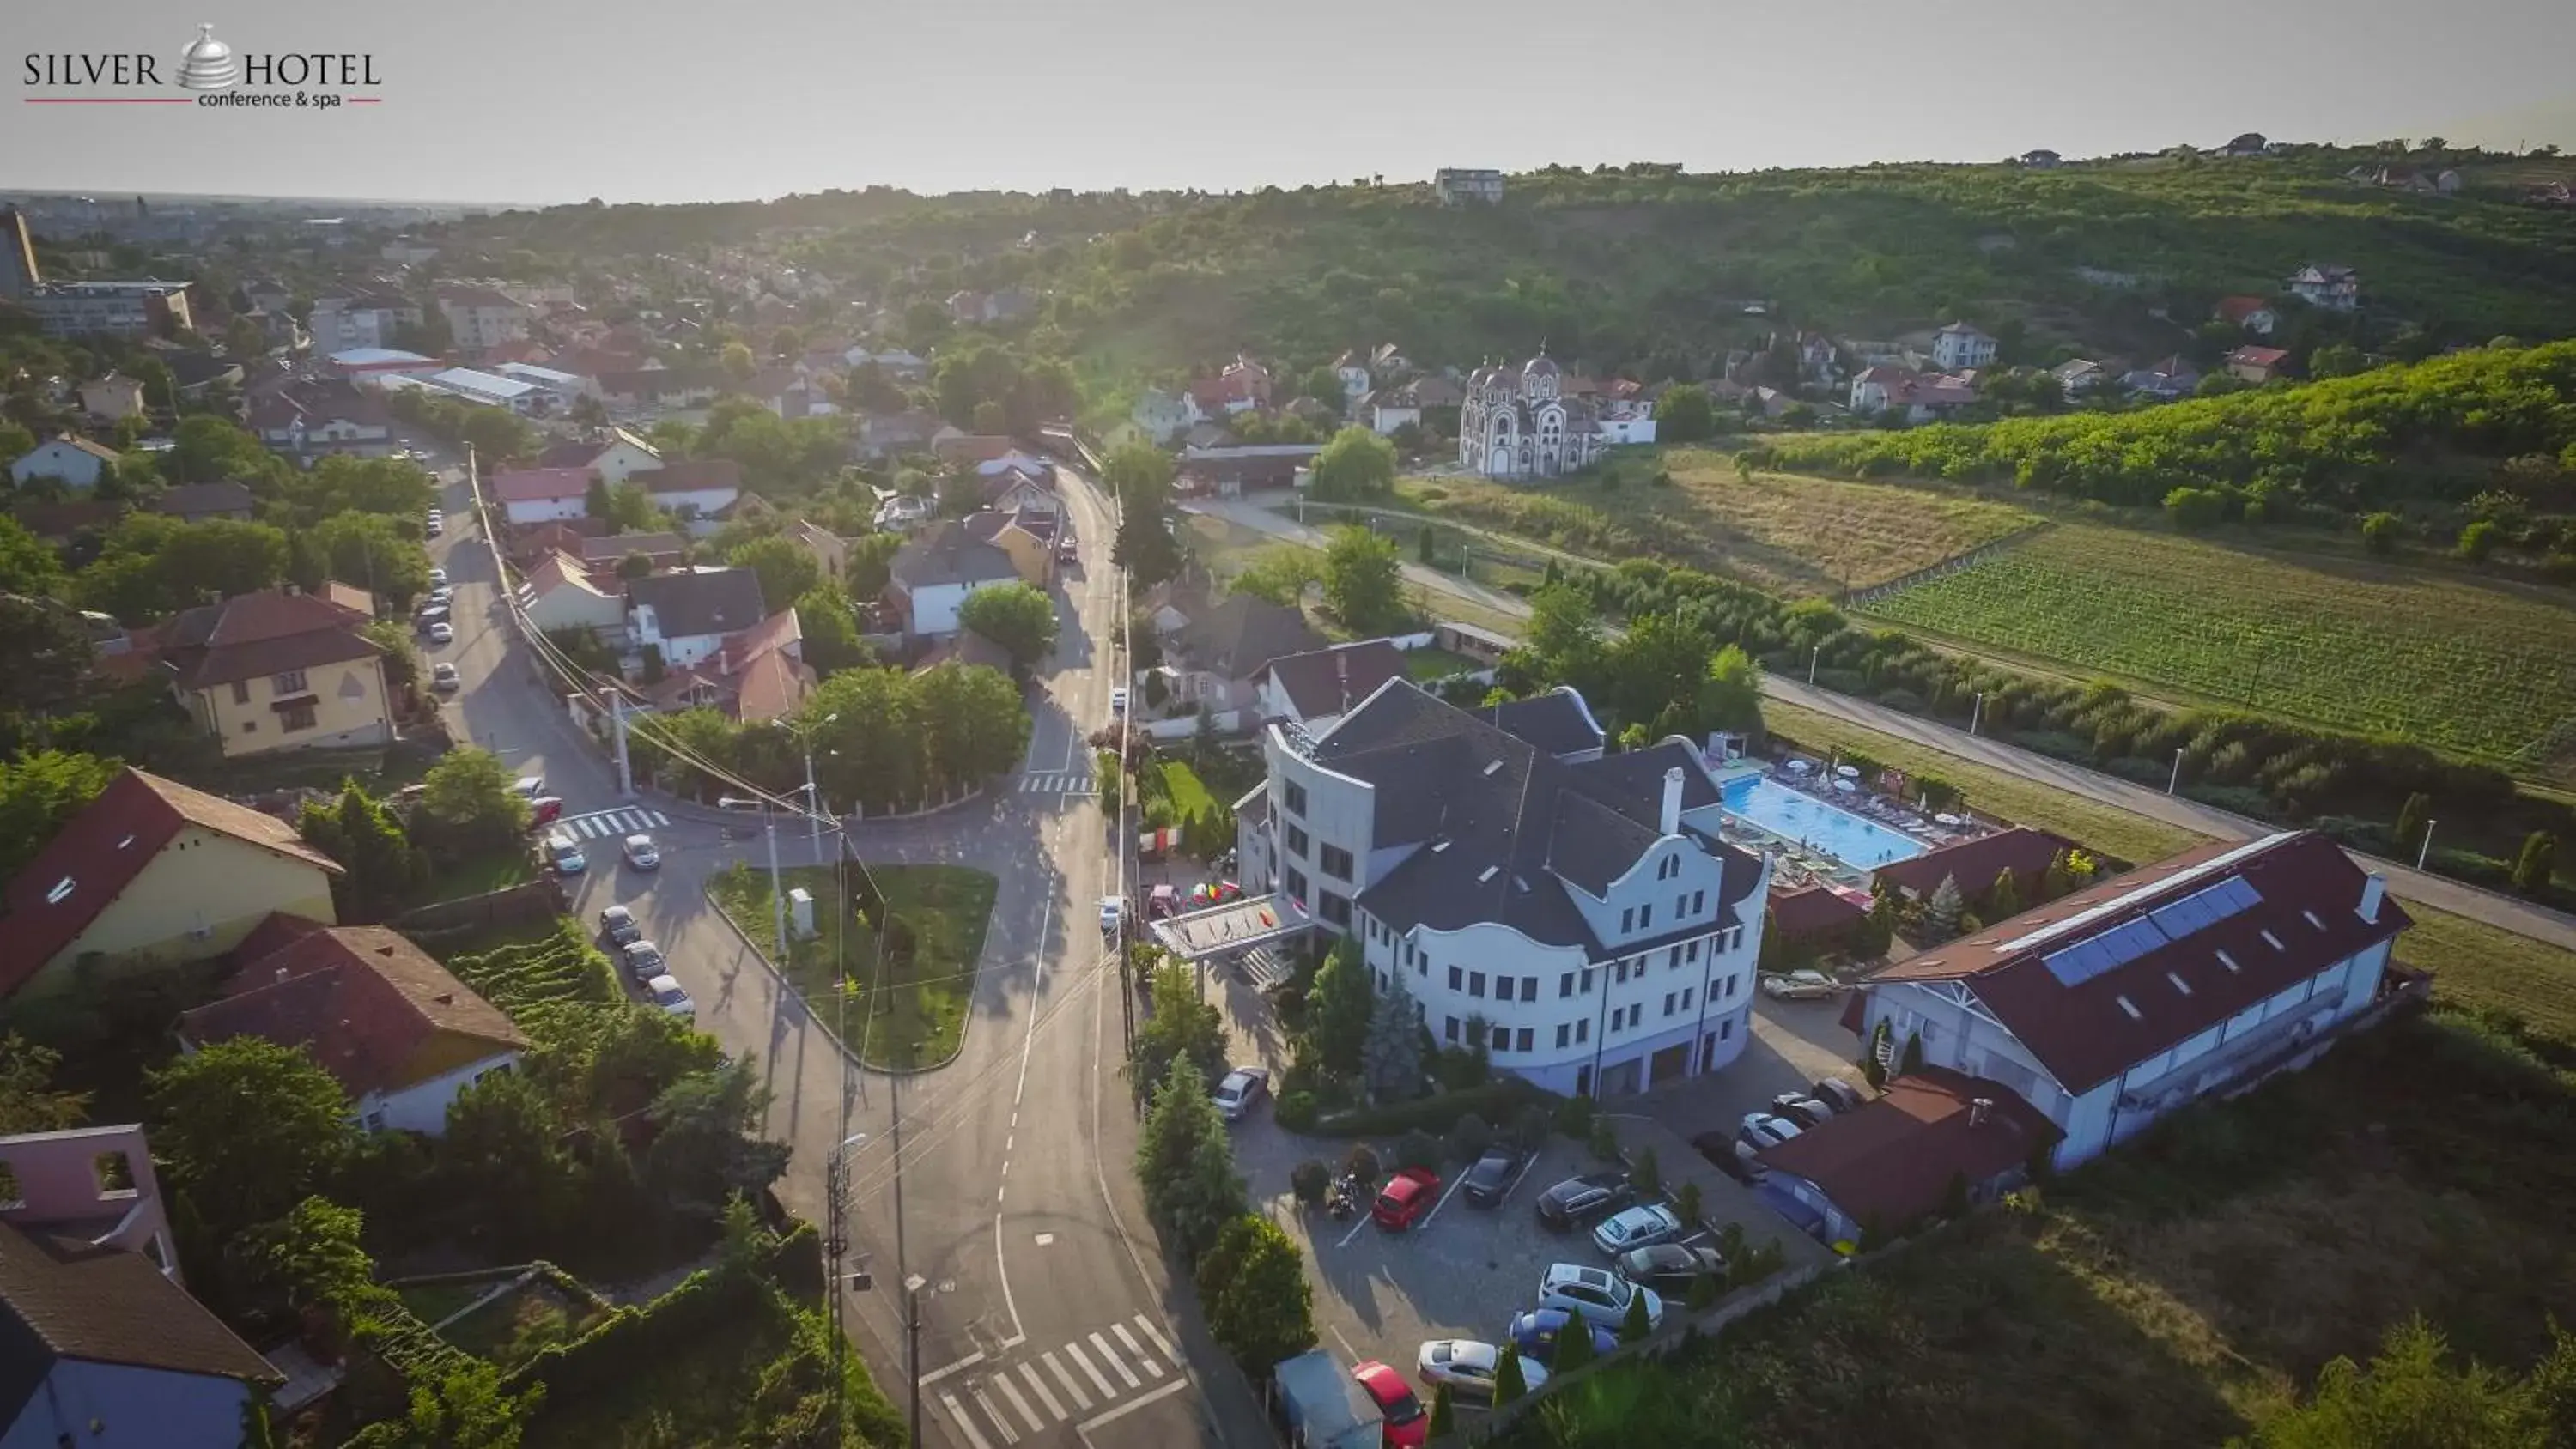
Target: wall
(545, 510)
(422, 1107)
(349, 708)
(206, 882)
(58, 1180)
(1339, 810)
(138, 1408)
(570, 606)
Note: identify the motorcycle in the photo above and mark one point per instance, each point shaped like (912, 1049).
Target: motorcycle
(1344, 1201)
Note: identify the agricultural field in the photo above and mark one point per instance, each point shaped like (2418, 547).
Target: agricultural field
(2481, 670)
(1785, 532)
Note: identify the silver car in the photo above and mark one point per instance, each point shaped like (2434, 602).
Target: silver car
(1241, 1091)
(1642, 1226)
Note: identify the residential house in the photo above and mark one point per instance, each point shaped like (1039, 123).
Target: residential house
(1557, 721)
(75, 460)
(306, 416)
(1977, 865)
(1922, 397)
(1318, 687)
(831, 551)
(894, 434)
(481, 318)
(1162, 416)
(359, 319)
(2166, 379)
(2080, 376)
(934, 572)
(1960, 346)
(1351, 369)
(399, 1033)
(1246, 381)
(541, 495)
(108, 1352)
(660, 387)
(2251, 314)
(2042, 160)
(1901, 1157)
(195, 374)
(561, 593)
(197, 502)
(1819, 361)
(603, 553)
(279, 669)
(2258, 364)
(688, 616)
(896, 362)
(700, 492)
(612, 457)
(901, 511)
(153, 872)
(113, 398)
(2247, 145)
(1215, 659)
(93, 1185)
(534, 541)
(63, 523)
(1388, 361)
(954, 448)
(1625, 424)
(1015, 488)
(1029, 539)
(2330, 285)
(2112, 1007)
(1582, 917)
(753, 677)
(147, 308)
(1456, 186)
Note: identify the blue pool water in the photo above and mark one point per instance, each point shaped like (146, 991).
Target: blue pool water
(1793, 815)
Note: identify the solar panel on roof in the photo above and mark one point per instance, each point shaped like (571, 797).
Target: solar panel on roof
(2206, 907)
(2118, 946)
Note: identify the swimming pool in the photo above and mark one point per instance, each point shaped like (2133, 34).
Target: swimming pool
(1794, 815)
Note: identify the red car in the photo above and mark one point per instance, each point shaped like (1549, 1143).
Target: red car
(1407, 1427)
(544, 810)
(1407, 1195)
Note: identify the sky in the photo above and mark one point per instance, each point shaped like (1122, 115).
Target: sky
(533, 101)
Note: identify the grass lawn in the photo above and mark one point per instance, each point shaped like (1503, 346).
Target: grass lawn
(2478, 668)
(510, 1330)
(432, 1302)
(1190, 797)
(916, 1015)
(1786, 532)
(1423, 666)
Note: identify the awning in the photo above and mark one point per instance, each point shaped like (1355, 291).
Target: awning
(300, 701)
(1235, 926)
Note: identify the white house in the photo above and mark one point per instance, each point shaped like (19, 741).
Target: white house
(401, 1034)
(1351, 370)
(542, 495)
(613, 459)
(697, 491)
(2334, 287)
(689, 615)
(1958, 347)
(1576, 912)
(482, 318)
(1456, 186)
(1163, 416)
(77, 461)
(1626, 423)
(2109, 1008)
(559, 592)
(934, 572)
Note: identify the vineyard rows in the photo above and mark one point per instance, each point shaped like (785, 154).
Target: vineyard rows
(534, 975)
(2479, 671)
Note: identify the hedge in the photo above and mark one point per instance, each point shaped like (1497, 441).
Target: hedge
(1497, 1101)
(631, 1336)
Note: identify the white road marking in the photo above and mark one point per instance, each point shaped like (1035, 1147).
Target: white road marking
(1009, 1434)
(969, 1361)
(1011, 1392)
(1093, 1374)
(1459, 1182)
(1046, 1240)
(1137, 1349)
(1354, 1232)
(1132, 1405)
(1038, 1386)
(1008, 1302)
(1110, 1356)
(957, 1412)
(1160, 1342)
(1081, 1400)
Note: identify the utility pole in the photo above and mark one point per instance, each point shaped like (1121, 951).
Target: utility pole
(813, 802)
(2426, 852)
(2175, 783)
(1977, 712)
(1813, 654)
(625, 769)
(777, 892)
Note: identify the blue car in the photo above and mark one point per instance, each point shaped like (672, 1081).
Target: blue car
(1534, 1334)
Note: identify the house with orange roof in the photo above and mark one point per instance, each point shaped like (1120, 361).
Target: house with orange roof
(752, 677)
(561, 593)
(153, 872)
(279, 669)
(542, 495)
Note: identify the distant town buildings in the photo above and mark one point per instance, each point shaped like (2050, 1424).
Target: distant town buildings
(1456, 186)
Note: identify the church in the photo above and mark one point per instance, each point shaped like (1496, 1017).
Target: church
(1516, 424)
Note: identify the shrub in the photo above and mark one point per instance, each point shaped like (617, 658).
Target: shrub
(1363, 1164)
(1648, 1173)
(1530, 1128)
(1605, 1143)
(1310, 1180)
(1494, 1101)
(1574, 1117)
(1418, 1148)
(1469, 1139)
(1296, 1111)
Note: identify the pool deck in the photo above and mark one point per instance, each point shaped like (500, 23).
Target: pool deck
(1801, 863)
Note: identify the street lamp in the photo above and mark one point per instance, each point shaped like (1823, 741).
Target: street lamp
(1813, 654)
(836, 1247)
(2175, 781)
(2426, 851)
(813, 798)
(1976, 711)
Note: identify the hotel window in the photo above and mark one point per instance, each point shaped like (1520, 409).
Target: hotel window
(1457, 977)
(1623, 971)
(1296, 841)
(1297, 886)
(1691, 951)
(1525, 1043)
(295, 717)
(1336, 862)
(291, 682)
(241, 691)
(1628, 920)
(1564, 1034)
(1296, 798)
(1668, 1003)
(1529, 988)
(1726, 1029)
(1475, 983)
(1686, 996)
(1335, 908)
(1583, 1028)
(1698, 900)
(1449, 1028)
(1673, 958)
(1681, 907)
(1565, 985)
(1586, 987)
(1645, 917)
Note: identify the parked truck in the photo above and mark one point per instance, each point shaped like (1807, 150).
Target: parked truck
(1322, 1406)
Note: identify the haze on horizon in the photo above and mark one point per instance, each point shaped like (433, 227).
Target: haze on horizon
(655, 101)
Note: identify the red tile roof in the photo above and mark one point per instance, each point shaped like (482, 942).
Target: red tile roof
(2237, 309)
(254, 636)
(689, 475)
(373, 1008)
(90, 862)
(1977, 863)
(2259, 356)
(1814, 911)
(2308, 897)
(1892, 1161)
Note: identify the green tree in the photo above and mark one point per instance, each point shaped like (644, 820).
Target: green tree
(2478, 540)
(1573, 1348)
(707, 1144)
(1684, 414)
(1941, 912)
(2003, 899)
(2411, 818)
(210, 450)
(1444, 1415)
(15, 440)
(868, 737)
(39, 793)
(1636, 1325)
(2195, 509)
(1140, 477)
(2379, 532)
(1325, 386)
(1732, 697)
(1912, 1060)
(313, 1256)
(2411, 1394)
(1647, 1174)
(1870, 1066)
(1338, 1009)
(247, 1128)
(1184, 1163)
(635, 566)
(28, 565)
(1510, 1384)
(28, 1101)
(154, 566)
(2336, 359)
(1180, 1029)
(505, 1149)
(401, 656)
(467, 804)
(383, 868)
(382, 555)
(45, 655)
(1426, 546)
(1252, 1285)
(1391, 1055)
(631, 509)
(1280, 576)
(830, 627)
(1356, 464)
(974, 722)
(737, 361)
(1364, 580)
(594, 498)
(871, 560)
(785, 569)
(1017, 616)
(2538, 860)
(468, 1409)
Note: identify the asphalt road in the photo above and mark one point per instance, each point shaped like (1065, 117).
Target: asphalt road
(1041, 1297)
(2502, 911)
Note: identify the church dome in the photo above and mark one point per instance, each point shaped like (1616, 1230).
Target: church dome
(1539, 366)
(208, 64)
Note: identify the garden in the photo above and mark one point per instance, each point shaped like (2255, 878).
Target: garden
(904, 947)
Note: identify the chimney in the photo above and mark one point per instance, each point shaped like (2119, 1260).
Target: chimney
(1672, 816)
(2373, 886)
(281, 976)
(1979, 1109)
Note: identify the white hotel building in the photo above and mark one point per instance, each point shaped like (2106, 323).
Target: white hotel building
(1577, 908)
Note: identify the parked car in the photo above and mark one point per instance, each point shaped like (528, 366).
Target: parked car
(1641, 1226)
(1535, 1332)
(434, 527)
(444, 678)
(1492, 1176)
(1406, 1197)
(644, 960)
(529, 787)
(1118, 701)
(563, 853)
(1731, 1155)
(1240, 1091)
(443, 595)
(1596, 1294)
(1406, 1425)
(1579, 1200)
(1800, 986)
(1669, 1268)
(1763, 1129)
(442, 632)
(666, 993)
(429, 613)
(1843, 1095)
(544, 810)
(618, 924)
(1468, 1367)
(437, 580)
(642, 853)
(1802, 1109)
(1068, 550)
(1113, 911)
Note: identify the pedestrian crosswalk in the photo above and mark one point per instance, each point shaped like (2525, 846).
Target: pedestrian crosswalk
(1057, 782)
(1007, 1402)
(600, 824)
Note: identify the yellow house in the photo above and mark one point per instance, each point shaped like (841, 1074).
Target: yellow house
(278, 670)
(153, 871)
(1032, 554)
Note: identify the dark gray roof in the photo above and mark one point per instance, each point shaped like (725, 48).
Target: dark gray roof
(949, 554)
(719, 601)
(1329, 681)
(63, 1298)
(199, 500)
(1556, 721)
(1238, 636)
(1474, 797)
